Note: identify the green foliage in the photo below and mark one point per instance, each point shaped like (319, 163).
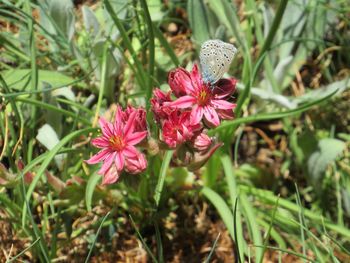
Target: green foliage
(327, 151)
(62, 69)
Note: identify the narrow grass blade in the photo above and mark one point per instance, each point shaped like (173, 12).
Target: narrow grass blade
(102, 84)
(301, 221)
(253, 226)
(159, 243)
(342, 248)
(35, 233)
(166, 46)
(273, 233)
(143, 241)
(288, 252)
(237, 254)
(12, 259)
(53, 108)
(95, 238)
(274, 27)
(267, 237)
(126, 39)
(270, 198)
(231, 182)
(207, 260)
(151, 49)
(271, 116)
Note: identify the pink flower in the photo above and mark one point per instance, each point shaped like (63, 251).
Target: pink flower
(205, 101)
(202, 142)
(117, 142)
(178, 129)
(159, 110)
(140, 119)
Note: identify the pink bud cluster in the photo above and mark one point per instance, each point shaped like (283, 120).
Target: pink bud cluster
(184, 115)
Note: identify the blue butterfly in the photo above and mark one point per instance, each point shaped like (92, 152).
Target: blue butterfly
(215, 58)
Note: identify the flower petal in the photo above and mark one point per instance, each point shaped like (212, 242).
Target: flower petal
(118, 121)
(135, 138)
(196, 114)
(225, 114)
(211, 116)
(196, 78)
(107, 163)
(130, 124)
(100, 156)
(100, 142)
(130, 151)
(179, 138)
(106, 127)
(223, 104)
(111, 176)
(225, 88)
(183, 102)
(119, 161)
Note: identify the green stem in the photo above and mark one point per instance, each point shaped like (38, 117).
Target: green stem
(151, 50)
(162, 174)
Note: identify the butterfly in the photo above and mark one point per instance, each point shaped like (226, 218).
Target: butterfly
(215, 58)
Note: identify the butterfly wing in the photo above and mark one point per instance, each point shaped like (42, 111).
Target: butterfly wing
(215, 59)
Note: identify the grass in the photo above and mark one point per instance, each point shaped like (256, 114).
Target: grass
(60, 70)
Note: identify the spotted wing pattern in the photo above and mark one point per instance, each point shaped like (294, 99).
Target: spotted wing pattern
(215, 58)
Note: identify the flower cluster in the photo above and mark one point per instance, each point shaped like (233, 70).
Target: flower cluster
(118, 142)
(184, 121)
(184, 115)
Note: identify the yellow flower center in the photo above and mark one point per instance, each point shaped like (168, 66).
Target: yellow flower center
(117, 143)
(203, 97)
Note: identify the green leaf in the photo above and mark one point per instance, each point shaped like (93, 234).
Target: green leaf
(90, 188)
(329, 150)
(221, 207)
(19, 78)
(199, 20)
(91, 23)
(155, 9)
(227, 16)
(62, 13)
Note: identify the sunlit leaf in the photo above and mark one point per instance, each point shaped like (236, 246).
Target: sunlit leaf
(48, 137)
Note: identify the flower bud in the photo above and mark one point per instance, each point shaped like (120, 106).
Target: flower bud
(202, 142)
(136, 164)
(178, 80)
(201, 158)
(160, 111)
